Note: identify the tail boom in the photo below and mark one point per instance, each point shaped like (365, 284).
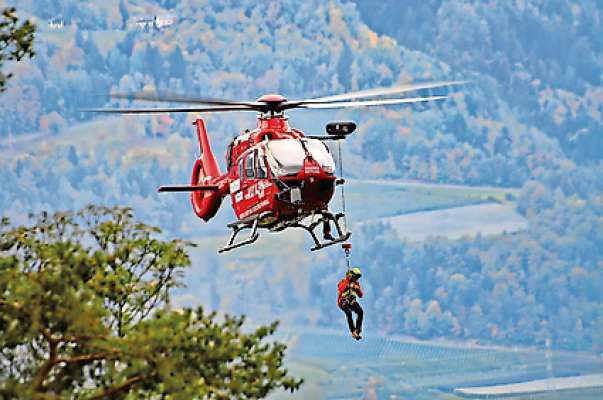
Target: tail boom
(206, 172)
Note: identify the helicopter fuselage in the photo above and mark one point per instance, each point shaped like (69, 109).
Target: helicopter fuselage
(276, 176)
(276, 172)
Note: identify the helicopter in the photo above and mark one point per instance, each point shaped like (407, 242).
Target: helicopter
(277, 177)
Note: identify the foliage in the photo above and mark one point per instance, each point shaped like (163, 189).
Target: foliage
(545, 56)
(84, 300)
(16, 41)
(246, 49)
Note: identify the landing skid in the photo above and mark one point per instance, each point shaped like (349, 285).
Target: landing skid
(325, 218)
(253, 224)
(238, 227)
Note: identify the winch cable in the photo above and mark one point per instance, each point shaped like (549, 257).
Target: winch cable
(345, 221)
(347, 255)
(346, 246)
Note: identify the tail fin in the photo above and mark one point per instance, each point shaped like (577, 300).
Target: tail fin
(206, 171)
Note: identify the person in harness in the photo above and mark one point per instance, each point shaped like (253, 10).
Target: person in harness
(348, 290)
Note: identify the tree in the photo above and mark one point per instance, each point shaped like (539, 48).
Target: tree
(16, 41)
(84, 311)
(177, 64)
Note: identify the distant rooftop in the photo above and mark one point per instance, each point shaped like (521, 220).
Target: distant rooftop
(156, 22)
(56, 22)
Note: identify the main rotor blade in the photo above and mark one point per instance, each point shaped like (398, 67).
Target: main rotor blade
(187, 188)
(377, 92)
(167, 97)
(368, 103)
(167, 110)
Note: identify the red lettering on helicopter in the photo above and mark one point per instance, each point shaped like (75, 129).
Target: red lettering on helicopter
(235, 185)
(256, 190)
(311, 169)
(254, 209)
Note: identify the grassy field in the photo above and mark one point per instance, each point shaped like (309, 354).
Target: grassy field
(366, 199)
(455, 223)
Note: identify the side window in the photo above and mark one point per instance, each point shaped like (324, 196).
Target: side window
(229, 155)
(249, 172)
(241, 169)
(262, 172)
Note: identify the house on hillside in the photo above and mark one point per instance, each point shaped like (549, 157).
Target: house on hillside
(155, 23)
(56, 23)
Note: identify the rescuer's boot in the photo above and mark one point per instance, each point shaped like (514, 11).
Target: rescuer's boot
(326, 231)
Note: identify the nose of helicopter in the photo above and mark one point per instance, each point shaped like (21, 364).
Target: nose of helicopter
(318, 184)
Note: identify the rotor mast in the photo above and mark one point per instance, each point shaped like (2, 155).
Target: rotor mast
(272, 116)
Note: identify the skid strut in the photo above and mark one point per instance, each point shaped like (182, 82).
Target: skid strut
(326, 217)
(253, 224)
(238, 227)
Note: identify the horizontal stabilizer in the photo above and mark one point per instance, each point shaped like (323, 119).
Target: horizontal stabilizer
(187, 188)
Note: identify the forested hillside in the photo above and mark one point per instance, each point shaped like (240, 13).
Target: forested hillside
(521, 288)
(528, 117)
(544, 59)
(243, 49)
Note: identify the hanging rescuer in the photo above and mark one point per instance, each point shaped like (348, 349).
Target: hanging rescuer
(348, 292)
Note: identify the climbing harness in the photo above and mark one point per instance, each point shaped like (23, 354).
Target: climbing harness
(347, 295)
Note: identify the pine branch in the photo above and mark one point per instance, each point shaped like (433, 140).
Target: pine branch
(53, 345)
(86, 358)
(114, 390)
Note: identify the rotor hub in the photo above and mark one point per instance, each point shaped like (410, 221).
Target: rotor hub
(271, 98)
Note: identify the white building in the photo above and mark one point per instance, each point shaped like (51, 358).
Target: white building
(155, 22)
(56, 23)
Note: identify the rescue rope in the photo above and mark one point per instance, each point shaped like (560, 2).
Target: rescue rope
(347, 257)
(345, 221)
(346, 246)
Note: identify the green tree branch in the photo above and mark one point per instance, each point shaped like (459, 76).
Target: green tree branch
(16, 41)
(81, 296)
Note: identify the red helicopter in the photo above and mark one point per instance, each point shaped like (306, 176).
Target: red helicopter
(275, 175)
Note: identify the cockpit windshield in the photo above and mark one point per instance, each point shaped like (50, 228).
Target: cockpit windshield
(287, 156)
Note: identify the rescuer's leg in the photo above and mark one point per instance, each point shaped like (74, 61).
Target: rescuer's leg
(326, 230)
(348, 315)
(360, 315)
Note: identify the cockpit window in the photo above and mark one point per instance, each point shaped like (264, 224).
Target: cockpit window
(321, 154)
(287, 155)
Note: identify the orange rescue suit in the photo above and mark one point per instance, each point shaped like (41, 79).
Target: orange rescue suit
(346, 289)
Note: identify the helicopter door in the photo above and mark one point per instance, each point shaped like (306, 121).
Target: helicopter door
(246, 179)
(255, 187)
(236, 186)
(245, 198)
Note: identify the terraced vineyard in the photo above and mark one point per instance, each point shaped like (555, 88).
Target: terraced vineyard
(337, 367)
